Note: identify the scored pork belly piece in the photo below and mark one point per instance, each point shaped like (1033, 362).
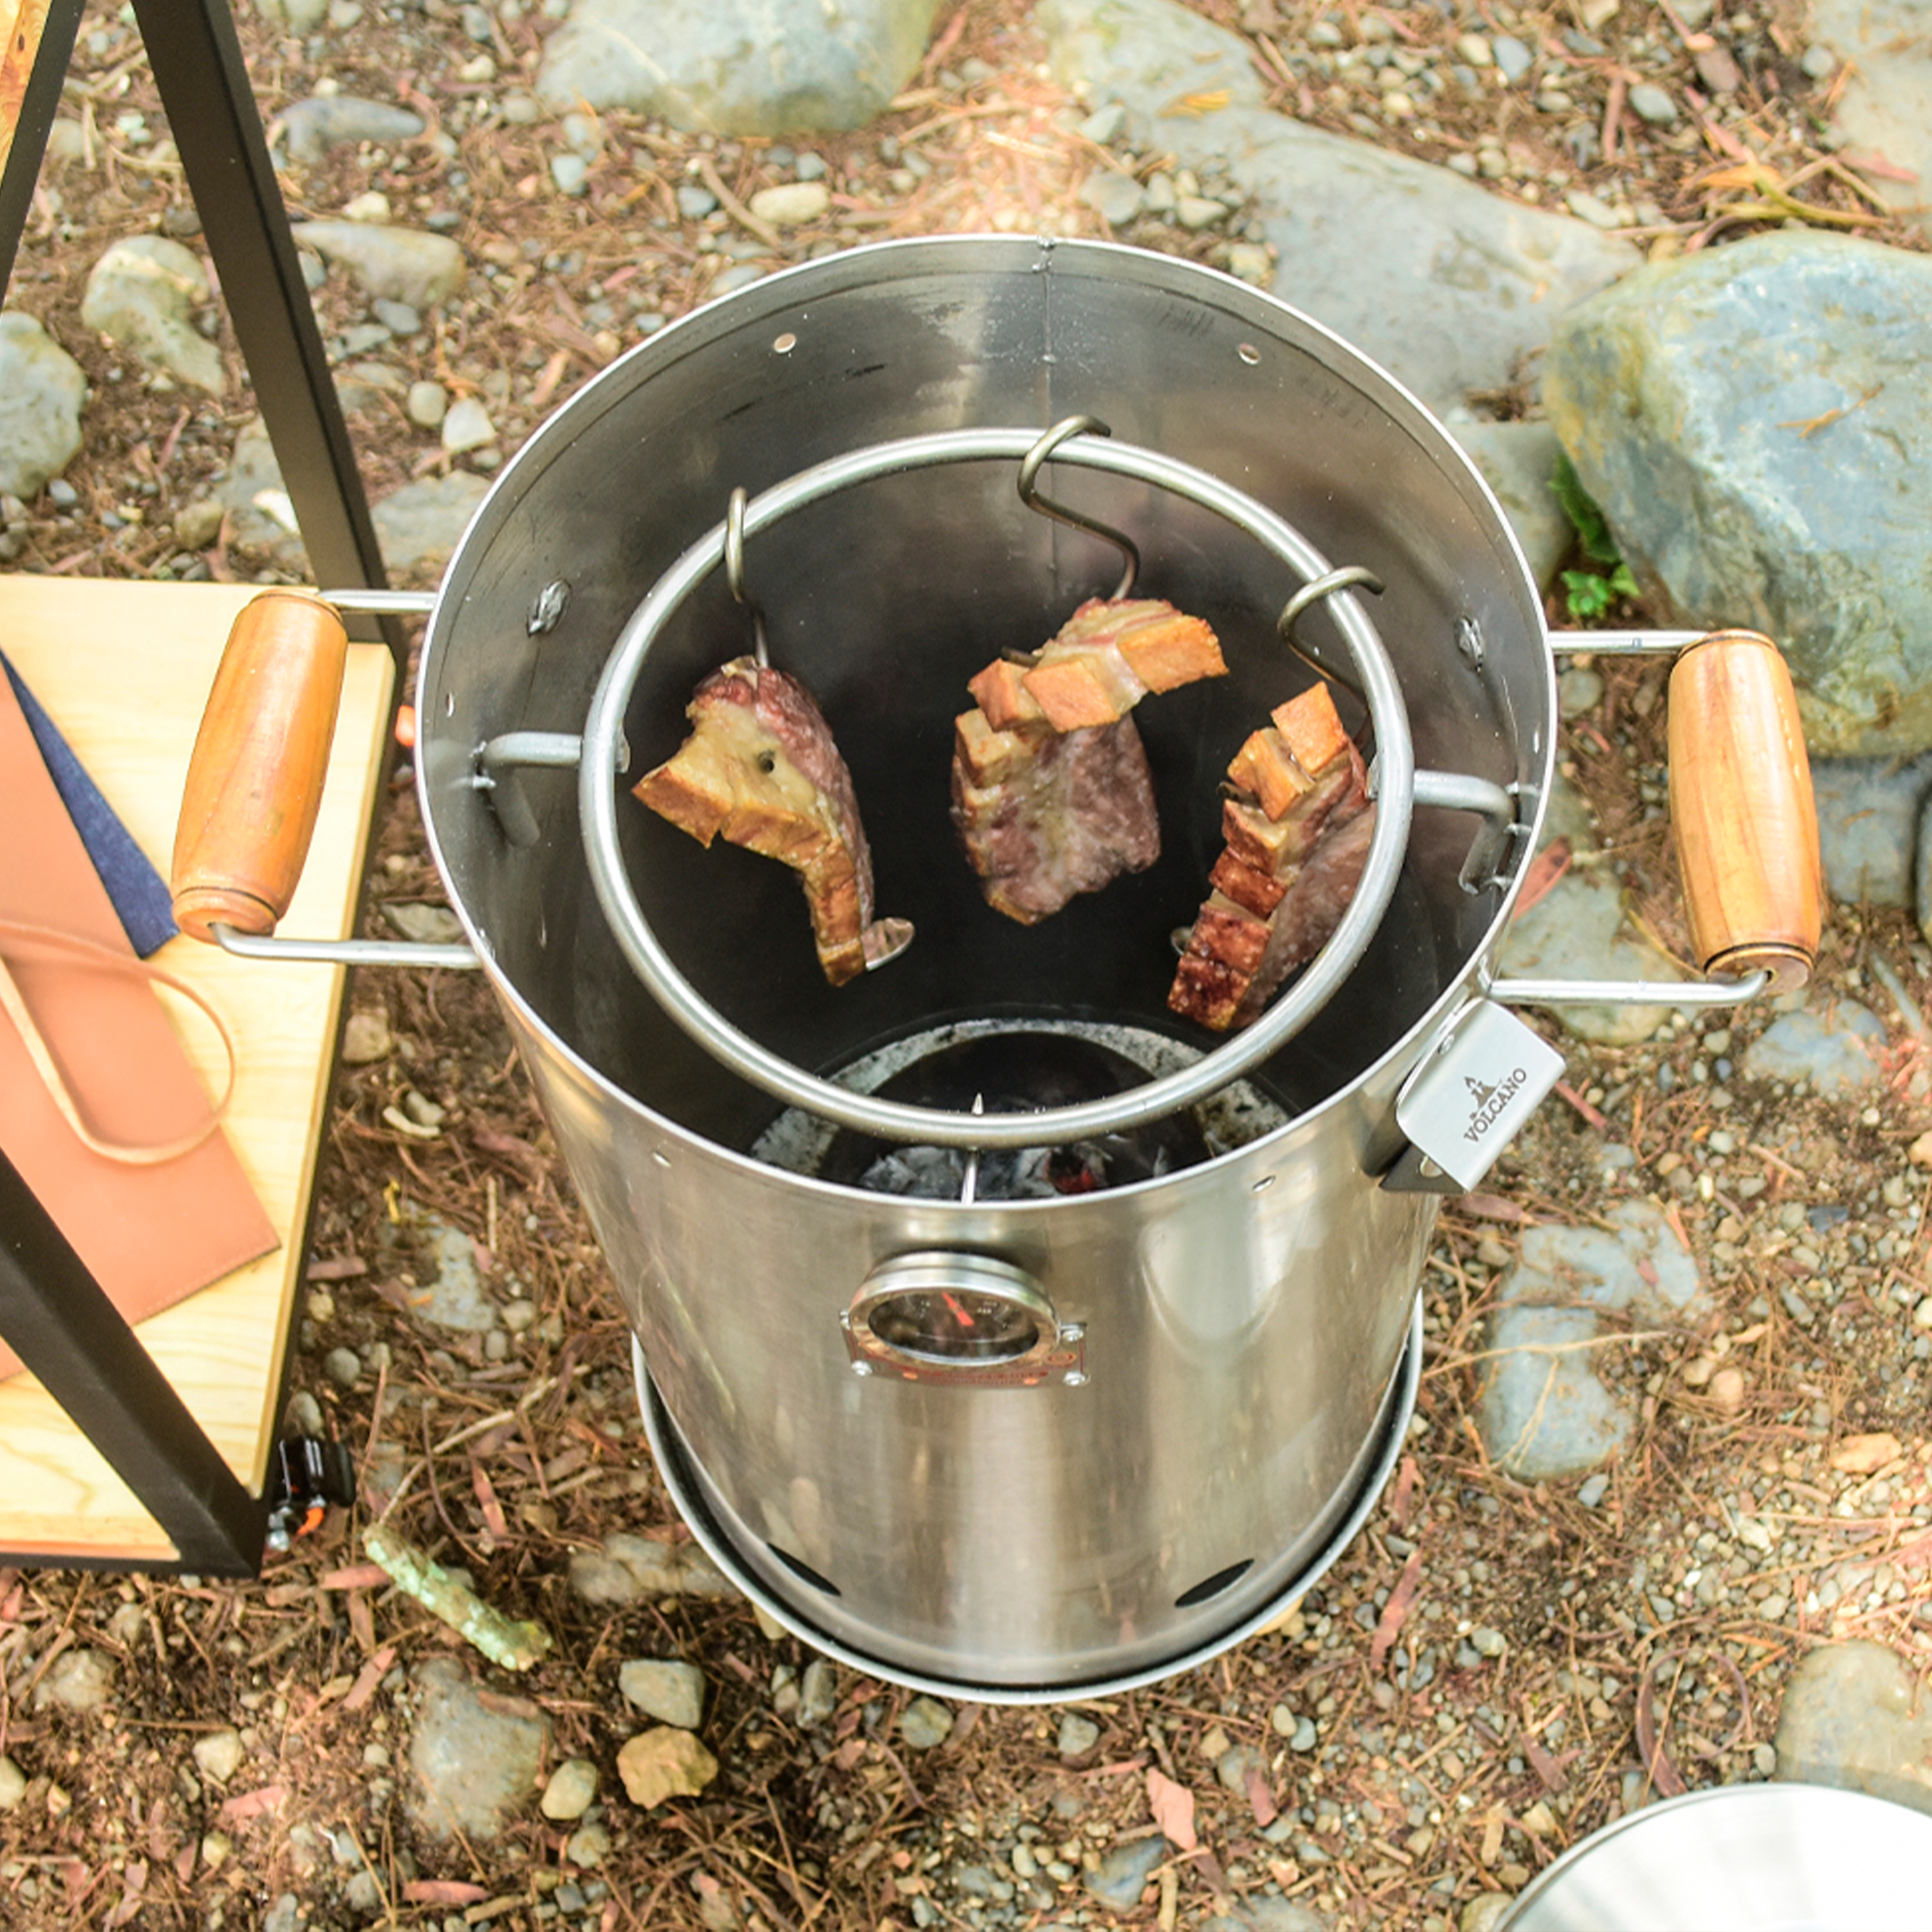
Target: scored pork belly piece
(1296, 838)
(760, 767)
(1050, 787)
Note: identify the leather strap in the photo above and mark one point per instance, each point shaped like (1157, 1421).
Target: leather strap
(98, 958)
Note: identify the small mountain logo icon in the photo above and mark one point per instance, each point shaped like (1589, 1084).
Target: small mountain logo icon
(1479, 1091)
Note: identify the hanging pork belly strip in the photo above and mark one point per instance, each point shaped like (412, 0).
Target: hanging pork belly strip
(760, 768)
(1051, 788)
(1297, 834)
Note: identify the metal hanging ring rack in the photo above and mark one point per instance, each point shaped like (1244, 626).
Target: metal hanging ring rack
(598, 797)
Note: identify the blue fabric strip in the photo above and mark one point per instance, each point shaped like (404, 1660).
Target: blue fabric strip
(139, 893)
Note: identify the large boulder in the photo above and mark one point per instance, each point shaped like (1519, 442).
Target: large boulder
(1448, 287)
(737, 67)
(1754, 420)
(1885, 107)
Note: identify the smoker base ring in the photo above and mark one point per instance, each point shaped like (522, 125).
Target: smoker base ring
(685, 1484)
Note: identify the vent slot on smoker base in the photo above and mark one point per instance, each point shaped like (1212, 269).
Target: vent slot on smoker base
(802, 1570)
(1212, 1587)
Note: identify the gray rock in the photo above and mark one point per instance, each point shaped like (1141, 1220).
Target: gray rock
(1518, 461)
(76, 1680)
(400, 264)
(818, 1692)
(312, 127)
(629, 1568)
(142, 294)
(1268, 1915)
(467, 426)
(294, 16)
(1649, 102)
(13, 1784)
(1119, 1879)
(1116, 198)
(1868, 826)
(427, 403)
(1780, 489)
(737, 66)
(1078, 1735)
(925, 1724)
(261, 517)
(571, 1792)
(219, 1754)
(285, 1915)
(1831, 1050)
(1886, 105)
(789, 203)
(1512, 56)
(1460, 286)
(420, 524)
(449, 1290)
(1853, 1717)
(1577, 930)
(572, 175)
(199, 523)
(42, 390)
(344, 1367)
(396, 317)
(1542, 1410)
(664, 1689)
(427, 925)
(694, 203)
(476, 1756)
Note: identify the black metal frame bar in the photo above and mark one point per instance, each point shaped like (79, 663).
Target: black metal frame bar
(196, 58)
(37, 107)
(61, 1324)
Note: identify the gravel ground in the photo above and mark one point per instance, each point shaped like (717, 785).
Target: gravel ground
(1492, 1671)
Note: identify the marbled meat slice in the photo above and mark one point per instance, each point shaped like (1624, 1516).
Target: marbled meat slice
(760, 767)
(1296, 838)
(1046, 814)
(1050, 787)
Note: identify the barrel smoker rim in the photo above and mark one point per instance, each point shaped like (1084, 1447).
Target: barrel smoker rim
(933, 263)
(604, 749)
(677, 1467)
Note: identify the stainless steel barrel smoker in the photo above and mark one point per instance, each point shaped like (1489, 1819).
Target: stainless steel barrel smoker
(987, 1437)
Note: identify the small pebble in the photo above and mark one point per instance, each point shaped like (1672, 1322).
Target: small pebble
(13, 1784)
(1511, 55)
(1078, 1735)
(1649, 102)
(791, 204)
(344, 1367)
(694, 203)
(571, 1792)
(467, 426)
(665, 1689)
(1488, 1642)
(1475, 49)
(818, 1692)
(925, 1725)
(1594, 1491)
(219, 1755)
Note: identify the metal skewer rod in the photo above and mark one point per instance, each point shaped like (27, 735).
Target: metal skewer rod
(1030, 468)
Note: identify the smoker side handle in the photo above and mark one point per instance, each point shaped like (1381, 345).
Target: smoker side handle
(255, 777)
(1743, 811)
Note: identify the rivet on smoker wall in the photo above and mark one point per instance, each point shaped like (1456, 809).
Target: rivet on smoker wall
(662, 1158)
(1074, 1379)
(862, 1368)
(1249, 353)
(784, 344)
(1261, 1186)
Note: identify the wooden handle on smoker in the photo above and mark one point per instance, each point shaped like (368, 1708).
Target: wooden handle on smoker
(1741, 808)
(255, 781)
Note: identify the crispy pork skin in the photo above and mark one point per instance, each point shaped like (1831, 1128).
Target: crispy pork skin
(1051, 789)
(760, 768)
(1296, 832)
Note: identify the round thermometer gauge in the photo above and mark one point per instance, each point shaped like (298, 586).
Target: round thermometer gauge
(952, 1309)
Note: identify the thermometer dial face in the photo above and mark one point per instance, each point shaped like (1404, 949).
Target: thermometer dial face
(940, 1324)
